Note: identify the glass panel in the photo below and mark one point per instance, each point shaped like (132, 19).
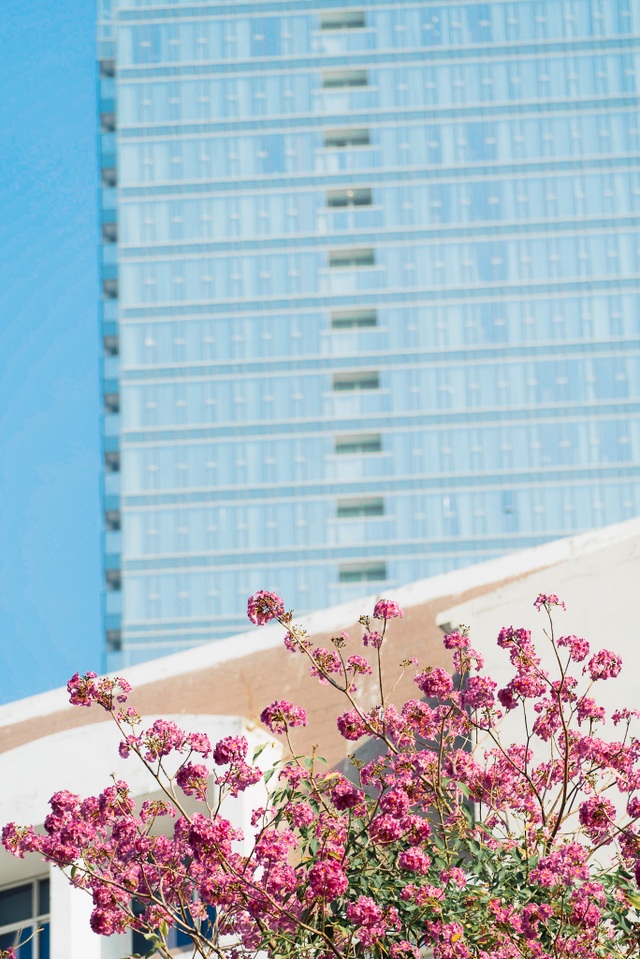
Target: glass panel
(359, 444)
(43, 897)
(353, 319)
(336, 79)
(369, 380)
(356, 257)
(340, 198)
(342, 20)
(16, 905)
(367, 573)
(44, 941)
(348, 509)
(357, 137)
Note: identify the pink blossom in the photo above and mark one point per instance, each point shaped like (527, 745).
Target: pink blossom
(240, 776)
(597, 815)
(434, 682)
(372, 639)
(345, 795)
(163, 738)
(199, 743)
(603, 665)
(565, 865)
(395, 802)
(326, 662)
(587, 708)
(281, 714)
(302, 815)
(274, 844)
(81, 689)
(416, 829)
(547, 600)
(193, 779)
(385, 829)
(230, 749)
(293, 774)
(358, 665)
(455, 640)
(364, 911)
(264, 606)
(351, 725)
(387, 609)
(454, 875)
(414, 860)
(478, 693)
(578, 648)
(88, 689)
(327, 879)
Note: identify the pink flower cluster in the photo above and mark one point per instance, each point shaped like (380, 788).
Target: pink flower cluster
(387, 609)
(548, 601)
(264, 606)
(281, 715)
(419, 842)
(88, 689)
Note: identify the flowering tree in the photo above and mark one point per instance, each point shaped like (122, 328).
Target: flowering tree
(451, 839)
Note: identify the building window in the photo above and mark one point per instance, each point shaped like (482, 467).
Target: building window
(353, 256)
(110, 232)
(363, 443)
(112, 461)
(178, 941)
(114, 645)
(359, 508)
(107, 122)
(111, 403)
(342, 20)
(23, 911)
(113, 579)
(362, 380)
(111, 346)
(338, 79)
(348, 137)
(349, 197)
(353, 319)
(112, 520)
(362, 573)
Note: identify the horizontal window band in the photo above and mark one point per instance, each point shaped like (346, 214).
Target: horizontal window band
(381, 421)
(441, 358)
(437, 54)
(487, 292)
(488, 231)
(372, 118)
(294, 556)
(482, 170)
(612, 474)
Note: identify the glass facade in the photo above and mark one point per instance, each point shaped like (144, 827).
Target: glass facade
(25, 919)
(371, 295)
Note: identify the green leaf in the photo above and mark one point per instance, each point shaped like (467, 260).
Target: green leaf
(258, 751)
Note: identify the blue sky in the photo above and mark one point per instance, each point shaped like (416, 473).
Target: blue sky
(49, 347)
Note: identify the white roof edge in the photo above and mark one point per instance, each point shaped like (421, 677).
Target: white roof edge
(257, 639)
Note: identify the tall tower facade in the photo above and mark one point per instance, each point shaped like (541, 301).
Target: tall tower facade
(371, 295)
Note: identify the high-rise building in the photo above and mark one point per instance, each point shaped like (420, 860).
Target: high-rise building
(371, 295)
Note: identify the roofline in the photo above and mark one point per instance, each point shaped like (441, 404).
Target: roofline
(422, 591)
